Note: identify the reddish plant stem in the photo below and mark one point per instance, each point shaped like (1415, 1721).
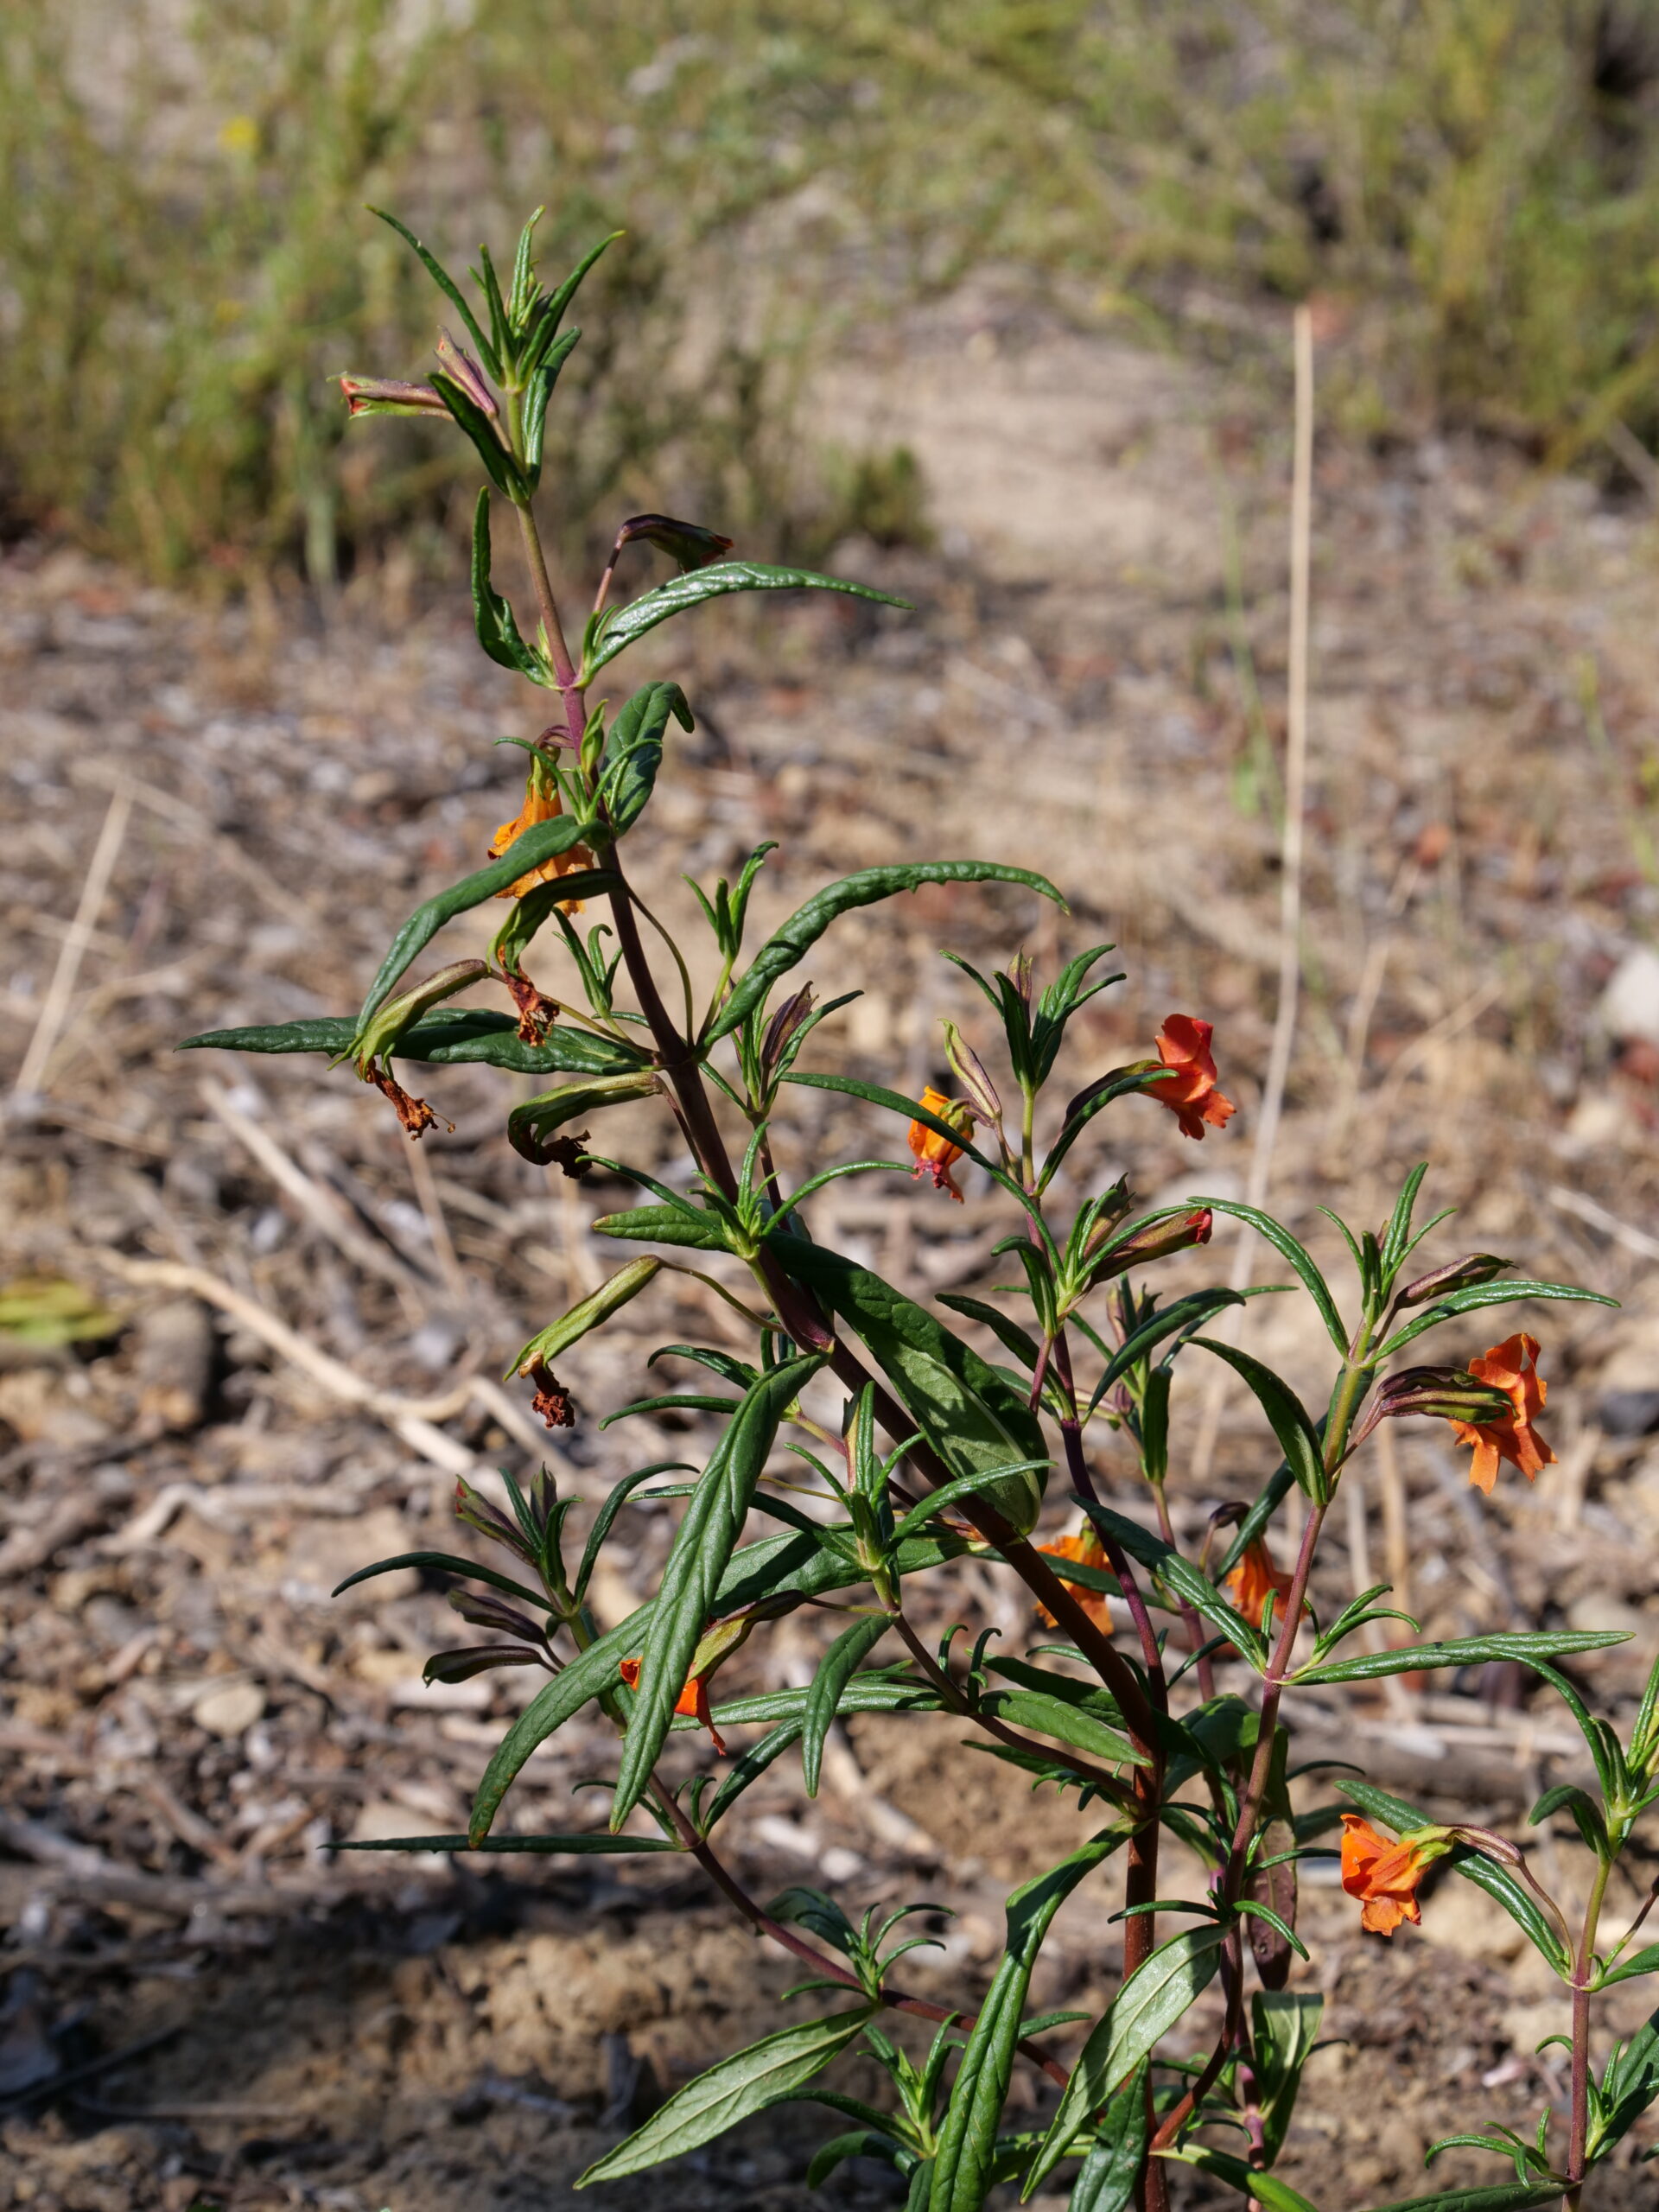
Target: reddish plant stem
(1197, 1636)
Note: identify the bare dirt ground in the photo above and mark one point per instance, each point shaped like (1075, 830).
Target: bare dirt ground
(201, 1999)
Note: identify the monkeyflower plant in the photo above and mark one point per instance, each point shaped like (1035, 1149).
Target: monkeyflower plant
(1159, 1700)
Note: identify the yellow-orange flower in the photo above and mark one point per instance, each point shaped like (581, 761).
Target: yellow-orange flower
(1193, 1097)
(1509, 1367)
(1088, 1551)
(693, 1699)
(937, 1155)
(1254, 1580)
(1383, 1875)
(542, 803)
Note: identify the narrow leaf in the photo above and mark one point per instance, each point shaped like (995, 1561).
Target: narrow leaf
(1299, 1258)
(764, 2073)
(836, 1669)
(966, 2147)
(1274, 2196)
(1146, 2007)
(620, 626)
(493, 617)
(790, 944)
(566, 1846)
(547, 1344)
(1106, 2180)
(1477, 1296)
(704, 1541)
(1297, 1437)
(633, 751)
(1527, 1646)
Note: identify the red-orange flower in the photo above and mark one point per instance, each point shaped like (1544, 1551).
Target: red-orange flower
(1192, 1096)
(542, 803)
(937, 1155)
(1509, 1367)
(1383, 1875)
(693, 1699)
(1087, 1549)
(1254, 1580)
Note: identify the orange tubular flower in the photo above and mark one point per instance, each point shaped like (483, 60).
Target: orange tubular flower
(1088, 1551)
(1193, 1097)
(693, 1699)
(1383, 1875)
(937, 1155)
(1254, 1580)
(542, 803)
(1510, 1367)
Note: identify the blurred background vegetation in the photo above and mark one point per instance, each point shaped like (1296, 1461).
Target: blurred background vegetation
(1473, 184)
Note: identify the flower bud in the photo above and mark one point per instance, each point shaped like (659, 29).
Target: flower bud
(1439, 1394)
(1457, 1275)
(687, 544)
(1018, 973)
(389, 395)
(1156, 1242)
(969, 1071)
(461, 369)
(782, 1026)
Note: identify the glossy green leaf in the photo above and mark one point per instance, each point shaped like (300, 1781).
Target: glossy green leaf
(633, 751)
(1477, 1296)
(1146, 2007)
(552, 313)
(1516, 1899)
(764, 2074)
(564, 1846)
(1273, 2195)
(447, 1563)
(701, 1231)
(588, 1313)
(964, 2155)
(533, 1125)
(620, 626)
(1035, 1686)
(702, 1544)
(1181, 1579)
(446, 284)
(1526, 1645)
(777, 1569)
(500, 464)
(881, 1691)
(1639, 1962)
(542, 841)
(1014, 1339)
(1066, 1723)
(449, 1036)
(1106, 2180)
(1503, 2196)
(1286, 2022)
(1297, 1437)
(1299, 1258)
(974, 1415)
(538, 390)
(836, 1669)
(1186, 1313)
(493, 617)
(789, 945)
(1096, 1100)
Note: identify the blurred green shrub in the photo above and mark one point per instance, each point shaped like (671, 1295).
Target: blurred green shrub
(186, 260)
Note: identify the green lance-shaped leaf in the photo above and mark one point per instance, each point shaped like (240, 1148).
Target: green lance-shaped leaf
(1146, 2007)
(599, 1306)
(451, 1035)
(377, 1038)
(966, 2148)
(1059, 1706)
(619, 626)
(532, 1125)
(768, 2071)
(1273, 2195)
(500, 466)
(698, 1228)
(974, 1417)
(789, 945)
(1299, 1258)
(1479, 1296)
(1189, 1313)
(1502, 2196)
(706, 1538)
(836, 1669)
(446, 284)
(497, 630)
(1106, 2180)
(1297, 1437)
(1286, 2027)
(633, 751)
(563, 1846)
(538, 390)
(1528, 1645)
(542, 841)
(1521, 1903)
(1181, 1578)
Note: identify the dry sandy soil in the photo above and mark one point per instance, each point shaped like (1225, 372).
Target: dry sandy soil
(203, 2001)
